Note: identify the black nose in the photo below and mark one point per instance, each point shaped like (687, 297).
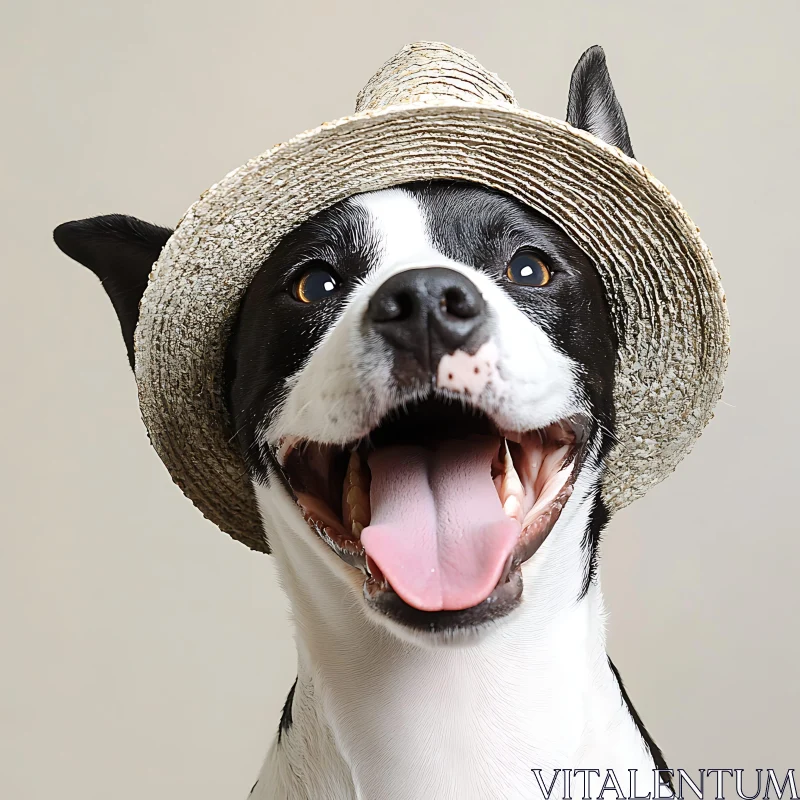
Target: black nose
(425, 313)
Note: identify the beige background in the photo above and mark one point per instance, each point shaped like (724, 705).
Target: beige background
(144, 655)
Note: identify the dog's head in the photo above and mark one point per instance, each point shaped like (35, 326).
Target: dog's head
(419, 379)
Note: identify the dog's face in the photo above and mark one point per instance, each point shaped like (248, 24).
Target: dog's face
(424, 371)
(419, 380)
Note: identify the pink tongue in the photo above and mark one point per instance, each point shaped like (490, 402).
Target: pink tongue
(438, 532)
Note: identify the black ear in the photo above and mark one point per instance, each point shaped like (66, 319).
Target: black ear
(121, 251)
(593, 106)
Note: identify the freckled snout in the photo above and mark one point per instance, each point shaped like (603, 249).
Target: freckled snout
(426, 314)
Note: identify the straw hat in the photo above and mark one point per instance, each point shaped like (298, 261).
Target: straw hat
(433, 112)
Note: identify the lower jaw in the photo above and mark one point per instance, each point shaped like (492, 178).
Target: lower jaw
(506, 596)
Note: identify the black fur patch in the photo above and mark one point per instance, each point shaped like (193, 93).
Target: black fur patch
(286, 716)
(598, 519)
(653, 748)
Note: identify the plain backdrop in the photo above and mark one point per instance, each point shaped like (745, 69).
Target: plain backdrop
(143, 654)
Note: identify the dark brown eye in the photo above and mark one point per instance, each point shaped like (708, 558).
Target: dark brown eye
(527, 269)
(317, 282)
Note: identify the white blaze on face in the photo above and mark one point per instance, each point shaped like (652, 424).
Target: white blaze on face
(518, 377)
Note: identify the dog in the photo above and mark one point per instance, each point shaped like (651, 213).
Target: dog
(421, 382)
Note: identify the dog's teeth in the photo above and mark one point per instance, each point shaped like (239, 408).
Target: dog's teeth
(355, 475)
(358, 502)
(511, 483)
(357, 497)
(359, 479)
(353, 468)
(355, 506)
(285, 446)
(512, 507)
(360, 515)
(506, 570)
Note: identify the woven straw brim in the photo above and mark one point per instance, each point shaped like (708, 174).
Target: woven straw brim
(665, 295)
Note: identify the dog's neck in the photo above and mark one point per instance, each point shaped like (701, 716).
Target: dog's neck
(374, 716)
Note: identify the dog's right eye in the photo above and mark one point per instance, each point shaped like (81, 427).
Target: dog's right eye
(317, 282)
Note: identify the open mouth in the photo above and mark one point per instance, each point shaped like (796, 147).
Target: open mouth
(437, 506)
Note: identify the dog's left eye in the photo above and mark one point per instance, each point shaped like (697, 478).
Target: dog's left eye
(317, 282)
(528, 269)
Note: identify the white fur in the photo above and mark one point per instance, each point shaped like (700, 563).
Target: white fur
(376, 716)
(381, 714)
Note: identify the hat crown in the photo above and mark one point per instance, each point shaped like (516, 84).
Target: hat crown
(432, 72)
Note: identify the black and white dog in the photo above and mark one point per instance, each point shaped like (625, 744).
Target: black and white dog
(421, 380)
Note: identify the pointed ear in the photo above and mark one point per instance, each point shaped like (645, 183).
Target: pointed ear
(593, 105)
(121, 251)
